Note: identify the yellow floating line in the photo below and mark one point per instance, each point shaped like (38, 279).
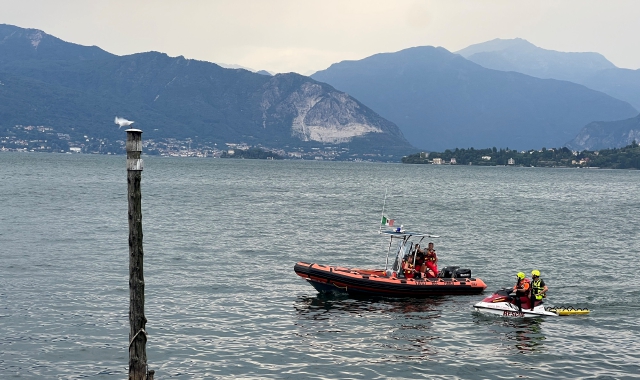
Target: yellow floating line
(569, 311)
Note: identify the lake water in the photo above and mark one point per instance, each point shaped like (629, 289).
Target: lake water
(221, 238)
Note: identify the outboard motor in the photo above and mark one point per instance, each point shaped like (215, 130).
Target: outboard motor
(447, 272)
(454, 272)
(462, 273)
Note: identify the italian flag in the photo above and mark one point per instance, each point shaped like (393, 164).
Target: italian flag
(387, 222)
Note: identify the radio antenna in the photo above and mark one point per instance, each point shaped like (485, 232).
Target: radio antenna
(382, 216)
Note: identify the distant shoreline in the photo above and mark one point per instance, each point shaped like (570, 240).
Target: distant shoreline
(587, 164)
(616, 158)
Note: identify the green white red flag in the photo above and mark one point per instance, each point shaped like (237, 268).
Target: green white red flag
(387, 222)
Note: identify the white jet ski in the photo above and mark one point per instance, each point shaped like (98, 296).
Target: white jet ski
(502, 303)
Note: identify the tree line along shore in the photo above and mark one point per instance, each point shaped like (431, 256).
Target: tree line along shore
(627, 157)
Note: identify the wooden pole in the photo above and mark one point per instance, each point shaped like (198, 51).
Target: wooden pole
(137, 320)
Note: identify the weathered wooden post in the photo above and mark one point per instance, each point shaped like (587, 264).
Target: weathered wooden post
(137, 320)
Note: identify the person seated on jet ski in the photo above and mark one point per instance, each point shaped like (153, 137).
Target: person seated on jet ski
(521, 290)
(538, 288)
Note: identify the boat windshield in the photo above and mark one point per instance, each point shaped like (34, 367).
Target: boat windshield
(404, 246)
(402, 251)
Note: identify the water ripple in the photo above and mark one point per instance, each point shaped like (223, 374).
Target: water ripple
(222, 301)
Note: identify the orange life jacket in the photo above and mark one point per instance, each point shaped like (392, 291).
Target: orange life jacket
(431, 256)
(522, 286)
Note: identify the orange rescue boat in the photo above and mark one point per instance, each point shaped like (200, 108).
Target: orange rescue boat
(390, 282)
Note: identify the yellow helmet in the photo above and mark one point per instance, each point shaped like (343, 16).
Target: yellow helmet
(520, 275)
(535, 272)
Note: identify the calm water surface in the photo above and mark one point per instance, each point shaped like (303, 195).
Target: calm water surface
(221, 238)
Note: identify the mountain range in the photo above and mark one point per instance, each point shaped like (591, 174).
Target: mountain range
(79, 90)
(440, 100)
(528, 99)
(589, 69)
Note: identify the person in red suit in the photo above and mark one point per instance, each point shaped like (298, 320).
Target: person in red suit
(431, 262)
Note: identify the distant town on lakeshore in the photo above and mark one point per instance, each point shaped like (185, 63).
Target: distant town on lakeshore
(31, 138)
(616, 158)
(46, 139)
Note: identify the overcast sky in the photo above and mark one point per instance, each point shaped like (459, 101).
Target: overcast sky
(305, 36)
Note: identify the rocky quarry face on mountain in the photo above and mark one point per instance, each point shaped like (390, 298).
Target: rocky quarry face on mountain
(327, 117)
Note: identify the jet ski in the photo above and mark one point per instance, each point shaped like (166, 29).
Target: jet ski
(504, 304)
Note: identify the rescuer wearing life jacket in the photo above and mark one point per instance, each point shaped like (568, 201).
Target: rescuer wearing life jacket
(538, 288)
(431, 262)
(521, 289)
(408, 266)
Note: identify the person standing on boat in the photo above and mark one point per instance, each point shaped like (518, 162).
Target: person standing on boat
(538, 288)
(521, 289)
(431, 262)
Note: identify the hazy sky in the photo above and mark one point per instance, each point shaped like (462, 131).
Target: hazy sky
(306, 36)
